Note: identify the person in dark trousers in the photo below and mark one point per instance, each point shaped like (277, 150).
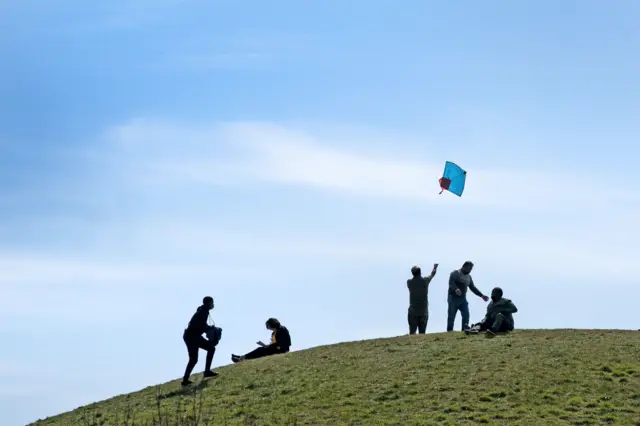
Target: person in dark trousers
(280, 343)
(418, 286)
(459, 280)
(499, 317)
(194, 340)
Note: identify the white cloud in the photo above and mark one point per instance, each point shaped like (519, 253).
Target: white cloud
(104, 290)
(549, 235)
(536, 253)
(532, 221)
(267, 252)
(276, 154)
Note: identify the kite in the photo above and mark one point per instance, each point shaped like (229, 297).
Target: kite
(453, 179)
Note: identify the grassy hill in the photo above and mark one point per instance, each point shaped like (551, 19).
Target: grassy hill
(531, 377)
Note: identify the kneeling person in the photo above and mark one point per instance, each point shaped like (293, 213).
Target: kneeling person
(499, 317)
(280, 343)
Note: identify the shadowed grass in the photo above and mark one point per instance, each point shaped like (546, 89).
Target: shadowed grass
(531, 377)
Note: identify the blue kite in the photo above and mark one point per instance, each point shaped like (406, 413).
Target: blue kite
(453, 179)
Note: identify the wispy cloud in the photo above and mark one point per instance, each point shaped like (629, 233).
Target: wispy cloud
(528, 251)
(146, 164)
(270, 153)
(100, 286)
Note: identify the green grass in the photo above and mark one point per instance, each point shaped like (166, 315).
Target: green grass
(531, 377)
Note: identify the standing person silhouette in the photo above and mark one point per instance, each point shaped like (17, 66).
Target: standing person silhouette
(418, 287)
(194, 340)
(459, 280)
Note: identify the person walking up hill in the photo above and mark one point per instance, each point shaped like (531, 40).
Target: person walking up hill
(194, 340)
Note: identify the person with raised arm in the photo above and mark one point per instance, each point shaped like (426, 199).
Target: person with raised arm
(418, 286)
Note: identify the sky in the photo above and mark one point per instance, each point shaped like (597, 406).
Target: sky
(283, 157)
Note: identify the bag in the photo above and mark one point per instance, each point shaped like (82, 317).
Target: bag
(214, 335)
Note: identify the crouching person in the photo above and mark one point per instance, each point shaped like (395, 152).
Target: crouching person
(499, 317)
(280, 343)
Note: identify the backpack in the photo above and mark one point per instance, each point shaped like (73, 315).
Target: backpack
(214, 334)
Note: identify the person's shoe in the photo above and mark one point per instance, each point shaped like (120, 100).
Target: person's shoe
(490, 333)
(236, 358)
(210, 373)
(187, 383)
(469, 331)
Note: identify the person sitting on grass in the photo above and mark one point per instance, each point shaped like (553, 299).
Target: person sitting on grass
(499, 317)
(280, 343)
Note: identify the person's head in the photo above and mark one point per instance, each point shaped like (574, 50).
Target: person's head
(272, 324)
(415, 271)
(496, 294)
(467, 267)
(207, 302)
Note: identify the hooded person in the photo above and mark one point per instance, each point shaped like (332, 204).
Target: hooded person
(194, 340)
(499, 316)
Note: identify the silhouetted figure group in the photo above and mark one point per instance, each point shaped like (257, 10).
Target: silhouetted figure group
(499, 316)
(199, 325)
(498, 319)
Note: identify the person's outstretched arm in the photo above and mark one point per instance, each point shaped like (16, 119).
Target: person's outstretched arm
(433, 273)
(475, 290)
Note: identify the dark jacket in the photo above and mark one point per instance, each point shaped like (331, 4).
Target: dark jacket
(418, 295)
(281, 339)
(198, 323)
(502, 306)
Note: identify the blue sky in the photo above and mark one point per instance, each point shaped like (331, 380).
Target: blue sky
(283, 157)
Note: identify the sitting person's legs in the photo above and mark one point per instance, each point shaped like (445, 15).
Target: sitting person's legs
(480, 327)
(280, 342)
(261, 351)
(208, 346)
(501, 324)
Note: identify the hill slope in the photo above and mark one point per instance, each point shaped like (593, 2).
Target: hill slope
(529, 377)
